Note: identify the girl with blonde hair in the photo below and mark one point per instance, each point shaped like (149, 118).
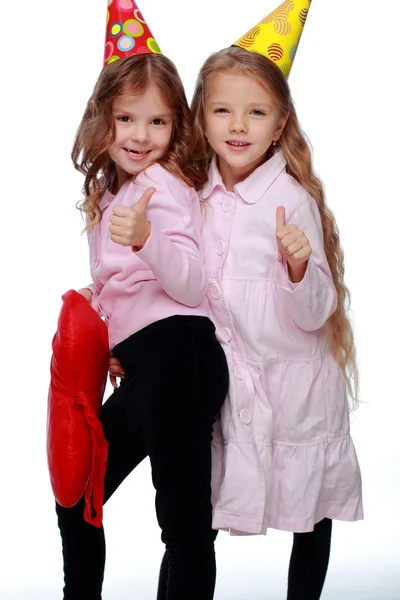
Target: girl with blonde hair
(283, 455)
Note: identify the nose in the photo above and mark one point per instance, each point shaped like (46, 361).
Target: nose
(140, 134)
(238, 125)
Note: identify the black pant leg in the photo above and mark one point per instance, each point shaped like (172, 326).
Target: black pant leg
(83, 545)
(188, 392)
(309, 562)
(163, 578)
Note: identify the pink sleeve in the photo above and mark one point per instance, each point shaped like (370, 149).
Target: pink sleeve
(313, 300)
(94, 303)
(173, 250)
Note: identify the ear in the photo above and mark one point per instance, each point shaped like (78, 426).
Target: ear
(281, 126)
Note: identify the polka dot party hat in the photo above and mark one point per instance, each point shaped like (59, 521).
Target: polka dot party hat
(127, 32)
(277, 36)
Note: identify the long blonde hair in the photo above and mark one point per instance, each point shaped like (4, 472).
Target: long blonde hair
(299, 165)
(96, 132)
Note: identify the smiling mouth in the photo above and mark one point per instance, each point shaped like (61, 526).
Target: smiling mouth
(237, 144)
(136, 152)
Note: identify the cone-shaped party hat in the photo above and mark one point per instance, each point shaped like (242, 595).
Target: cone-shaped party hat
(127, 32)
(277, 36)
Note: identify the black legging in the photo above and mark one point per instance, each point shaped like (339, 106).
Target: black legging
(308, 564)
(176, 382)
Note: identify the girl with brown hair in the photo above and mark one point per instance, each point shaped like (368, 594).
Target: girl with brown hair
(149, 283)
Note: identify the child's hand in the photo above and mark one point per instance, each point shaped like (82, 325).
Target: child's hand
(86, 293)
(293, 245)
(129, 226)
(115, 370)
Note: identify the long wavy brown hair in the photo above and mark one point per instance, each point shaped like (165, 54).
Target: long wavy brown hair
(96, 132)
(298, 157)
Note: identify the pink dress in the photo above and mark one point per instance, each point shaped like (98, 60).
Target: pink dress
(282, 452)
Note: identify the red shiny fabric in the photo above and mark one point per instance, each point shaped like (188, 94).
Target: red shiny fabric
(76, 446)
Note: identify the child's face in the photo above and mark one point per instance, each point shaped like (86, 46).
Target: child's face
(242, 121)
(143, 126)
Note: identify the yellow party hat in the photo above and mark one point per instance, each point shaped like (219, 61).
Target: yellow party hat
(277, 36)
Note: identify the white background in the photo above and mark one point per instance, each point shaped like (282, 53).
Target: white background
(343, 81)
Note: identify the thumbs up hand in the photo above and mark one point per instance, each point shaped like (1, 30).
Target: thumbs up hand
(129, 226)
(293, 245)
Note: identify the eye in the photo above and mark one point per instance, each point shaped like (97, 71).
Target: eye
(220, 110)
(158, 122)
(123, 119)
(257, 112)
